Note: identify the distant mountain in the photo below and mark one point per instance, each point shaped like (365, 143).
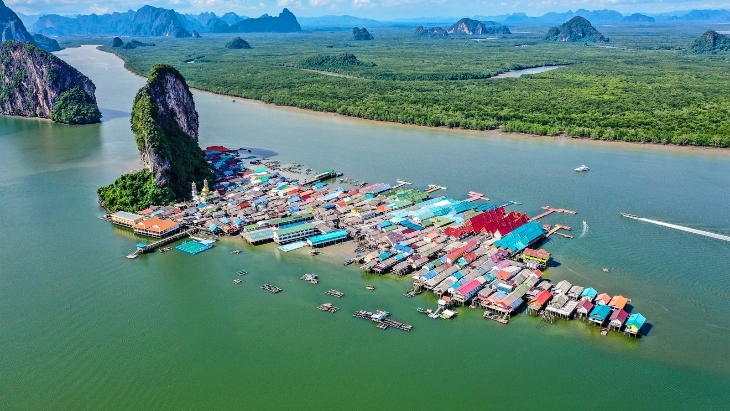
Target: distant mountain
(232, 18)
(147, 21)
(472, 27)
(600, 16)
(711, 43)
(284, 23)
(11, 26)
(336, 22)
(432, 32)
(361, 34)
(46, 43)
(638, 18)
(28, 20)
(576, 29)
(706, 15)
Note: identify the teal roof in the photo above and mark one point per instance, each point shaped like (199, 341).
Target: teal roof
(601, 312)
(636, 320)
(331, 236)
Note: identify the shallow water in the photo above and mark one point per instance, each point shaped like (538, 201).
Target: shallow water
(520, 73)
(84, 328)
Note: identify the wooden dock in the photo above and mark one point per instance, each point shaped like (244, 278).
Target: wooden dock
(401, 183)
(474, 196)
(384, 323)
(557, 227)
(431, 188)
(164, 241)
(549, 210)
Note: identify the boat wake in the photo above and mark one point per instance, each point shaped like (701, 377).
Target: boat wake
(585, 230)
(687, 229)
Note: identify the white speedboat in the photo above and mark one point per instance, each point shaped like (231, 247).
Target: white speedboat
(582, 168)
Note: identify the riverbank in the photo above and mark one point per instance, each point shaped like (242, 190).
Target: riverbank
(623, 103)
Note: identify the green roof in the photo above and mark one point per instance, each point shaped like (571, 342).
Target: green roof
(295, 229)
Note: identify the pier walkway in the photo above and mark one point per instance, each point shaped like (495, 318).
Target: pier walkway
(557, 227)
(550, 210)
(167, 240)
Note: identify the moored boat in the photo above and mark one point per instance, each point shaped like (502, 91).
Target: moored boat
(582, 168)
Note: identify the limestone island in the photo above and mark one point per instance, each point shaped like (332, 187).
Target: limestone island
(165, 124)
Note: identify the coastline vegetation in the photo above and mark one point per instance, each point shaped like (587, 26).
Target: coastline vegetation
(644, 88)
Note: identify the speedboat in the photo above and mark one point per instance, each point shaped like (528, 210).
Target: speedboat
(635, 217)
(582, 168)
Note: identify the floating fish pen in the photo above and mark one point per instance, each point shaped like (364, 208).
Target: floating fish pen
(194, 247)
(335, 293)
(380, 317)
(328, 307)
(242, 272)
(271, 288)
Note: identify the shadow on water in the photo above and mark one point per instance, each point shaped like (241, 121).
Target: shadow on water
(645, 329)
(109, 114)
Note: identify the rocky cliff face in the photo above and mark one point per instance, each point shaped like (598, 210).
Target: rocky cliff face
(472, 27)
(165, 123)
(36, 83)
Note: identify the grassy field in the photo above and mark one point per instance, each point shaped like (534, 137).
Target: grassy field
(646, 89)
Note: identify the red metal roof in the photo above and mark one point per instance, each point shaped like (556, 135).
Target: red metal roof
(542, 297)
(541, 254)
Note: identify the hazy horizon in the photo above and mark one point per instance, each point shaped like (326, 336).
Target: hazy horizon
(372, 9)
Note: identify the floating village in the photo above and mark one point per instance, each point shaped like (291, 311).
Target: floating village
(469, 253)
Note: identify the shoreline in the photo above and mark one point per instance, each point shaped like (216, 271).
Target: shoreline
(562, 137)
(480, 133)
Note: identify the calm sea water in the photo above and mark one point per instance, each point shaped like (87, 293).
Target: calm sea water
(81, 327)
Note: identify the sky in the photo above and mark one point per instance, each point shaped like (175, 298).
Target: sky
(375, 9)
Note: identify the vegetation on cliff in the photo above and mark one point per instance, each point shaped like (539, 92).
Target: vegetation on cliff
(172, 155)
(576, 29)
(237, 44)
(432, 32)
(75, 106)
(133, 192)
(35, 83)
(472, 27)
(711, 42)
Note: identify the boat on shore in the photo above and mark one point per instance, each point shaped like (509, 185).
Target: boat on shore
(349, 261)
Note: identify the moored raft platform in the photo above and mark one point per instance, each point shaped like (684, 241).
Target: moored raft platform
(380, 317)
(335, 293)
(271, 288)
(328, 307)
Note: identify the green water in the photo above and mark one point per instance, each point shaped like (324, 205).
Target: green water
(81, 327)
